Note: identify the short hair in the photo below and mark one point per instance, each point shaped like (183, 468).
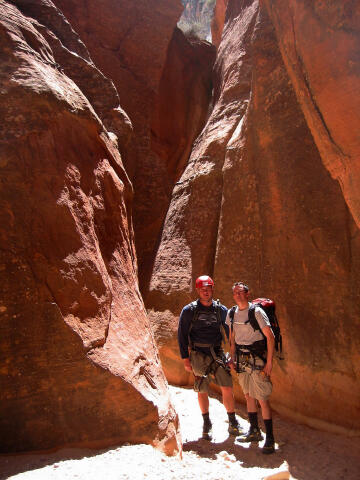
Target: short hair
(236, 284)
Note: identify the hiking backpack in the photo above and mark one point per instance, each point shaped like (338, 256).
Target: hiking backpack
(269, 308)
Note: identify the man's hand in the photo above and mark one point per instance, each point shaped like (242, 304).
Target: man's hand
(267, 369)
(231, 364)
(187, 364)
(233, 357)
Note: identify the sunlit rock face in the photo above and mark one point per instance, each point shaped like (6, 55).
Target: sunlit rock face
(129, 41)
(218, 20)
(78, 360)
(256, 203)
(319, 42)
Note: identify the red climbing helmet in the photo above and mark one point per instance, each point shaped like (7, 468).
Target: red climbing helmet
(204, 281)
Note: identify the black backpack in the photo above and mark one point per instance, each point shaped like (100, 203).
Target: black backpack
(196, 311)
(269, 308)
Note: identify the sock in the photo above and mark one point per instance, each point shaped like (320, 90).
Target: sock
(206, 417)
(232, 418)
(253, 419)
(269, 429)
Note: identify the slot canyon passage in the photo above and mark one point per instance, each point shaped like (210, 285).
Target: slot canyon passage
(136, 156)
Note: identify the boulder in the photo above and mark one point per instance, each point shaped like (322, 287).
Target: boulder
(79, 365)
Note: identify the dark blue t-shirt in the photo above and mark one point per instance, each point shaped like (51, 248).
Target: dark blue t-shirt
(206, 328)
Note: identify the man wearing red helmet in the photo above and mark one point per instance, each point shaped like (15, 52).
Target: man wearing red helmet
(200, 336)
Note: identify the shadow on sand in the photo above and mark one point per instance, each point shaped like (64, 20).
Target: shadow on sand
(13, 464)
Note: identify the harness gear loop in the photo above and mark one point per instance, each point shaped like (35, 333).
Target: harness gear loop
(256, 349)
(245, 352)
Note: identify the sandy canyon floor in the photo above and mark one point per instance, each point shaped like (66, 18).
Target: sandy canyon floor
(302, 453)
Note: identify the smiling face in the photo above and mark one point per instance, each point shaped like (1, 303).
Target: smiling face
(241, 293)
(205, 294)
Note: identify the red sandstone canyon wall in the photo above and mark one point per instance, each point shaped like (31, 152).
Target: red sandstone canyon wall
(257, 203)
(269, 195)
(78, 360)
(218, 20)
(164, 84)
(182, 104)
(319, 43)
(128, 41)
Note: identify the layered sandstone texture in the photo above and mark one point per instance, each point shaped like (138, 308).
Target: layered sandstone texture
(164, 84)
(257, 203)
(319, 42)
(78, 361)
(181, 108)
(128, 41)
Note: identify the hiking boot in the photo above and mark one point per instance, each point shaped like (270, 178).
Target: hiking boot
(207, 431)
(234, 429)
(269, 446)
(253, 435)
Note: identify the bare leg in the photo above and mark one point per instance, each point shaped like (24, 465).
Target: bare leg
(250, 403)
(203, 400)
(228, 398)
(265, 409)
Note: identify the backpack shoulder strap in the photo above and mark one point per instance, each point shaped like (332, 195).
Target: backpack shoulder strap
(218, 315)
(195, 312)
(231, 316)
(252, 318)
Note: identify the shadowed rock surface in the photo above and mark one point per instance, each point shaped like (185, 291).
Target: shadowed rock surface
(180, 113)
(183, 102)
(217, 23)
(78, 361)
(256, 203)
(164, 83)
(128, 41)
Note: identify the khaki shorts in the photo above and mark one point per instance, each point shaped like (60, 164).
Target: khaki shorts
(253, 382)
(200, 363)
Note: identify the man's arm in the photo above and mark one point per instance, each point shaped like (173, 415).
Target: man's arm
(270, 349)
(224, 320)
(232, 349)
(183, 340)
(264, 324)
(187, 364)
(231, 336)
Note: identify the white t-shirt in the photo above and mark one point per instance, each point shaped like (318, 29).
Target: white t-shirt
(244, 332)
